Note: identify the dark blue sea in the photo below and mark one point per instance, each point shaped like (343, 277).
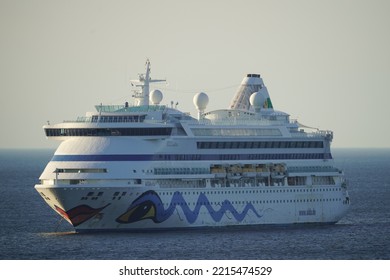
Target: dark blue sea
(30, 230)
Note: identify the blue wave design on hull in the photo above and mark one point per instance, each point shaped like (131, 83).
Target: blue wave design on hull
(149, 206)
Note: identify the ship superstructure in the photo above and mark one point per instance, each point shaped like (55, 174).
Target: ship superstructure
(150, 166)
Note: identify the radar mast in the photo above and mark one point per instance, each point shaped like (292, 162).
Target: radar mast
(143, 82)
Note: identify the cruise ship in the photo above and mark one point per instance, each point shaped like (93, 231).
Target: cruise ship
(148, 166)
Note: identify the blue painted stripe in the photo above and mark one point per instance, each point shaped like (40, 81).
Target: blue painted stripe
(192, 157)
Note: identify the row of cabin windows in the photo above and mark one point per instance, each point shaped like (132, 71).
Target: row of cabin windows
(111, 119)
(140, 131)
(226, 192)
(117, 194)
(243, 156)
(80, 170)
(255, 191)
(260, 145)
(244, 202)
(236, 132)
(182, 170)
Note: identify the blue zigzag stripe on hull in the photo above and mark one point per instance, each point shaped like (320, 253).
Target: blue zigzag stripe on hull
(149, 206)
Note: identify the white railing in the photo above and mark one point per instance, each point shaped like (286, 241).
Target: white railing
(315, 134)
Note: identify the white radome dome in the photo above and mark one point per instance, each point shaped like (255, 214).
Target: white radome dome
(156, 96)
(201, 100)
(257, 100)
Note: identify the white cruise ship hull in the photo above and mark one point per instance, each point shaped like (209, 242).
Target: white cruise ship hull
(92, 208)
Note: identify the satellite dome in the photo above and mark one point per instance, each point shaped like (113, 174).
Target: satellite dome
(257, 100)
(200, 101)
(156, 96)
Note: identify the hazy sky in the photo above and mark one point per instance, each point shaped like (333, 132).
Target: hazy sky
(326, 63)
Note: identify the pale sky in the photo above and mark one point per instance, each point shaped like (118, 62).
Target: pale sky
(326, 63)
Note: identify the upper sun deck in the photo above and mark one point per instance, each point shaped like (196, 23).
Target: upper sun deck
(224, 122)
(251, 113)
(129, 109)
(129, 114)
(156, 121)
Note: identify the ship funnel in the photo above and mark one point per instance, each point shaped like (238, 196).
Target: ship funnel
(250, 84)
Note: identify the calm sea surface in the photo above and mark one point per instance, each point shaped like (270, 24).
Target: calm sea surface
(29, 229)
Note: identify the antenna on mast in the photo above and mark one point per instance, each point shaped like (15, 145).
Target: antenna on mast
(143, 81)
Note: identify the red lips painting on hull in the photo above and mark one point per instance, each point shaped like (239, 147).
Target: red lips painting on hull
(79, 214)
